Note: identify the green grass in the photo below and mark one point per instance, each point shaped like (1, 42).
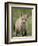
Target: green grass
(29, 27)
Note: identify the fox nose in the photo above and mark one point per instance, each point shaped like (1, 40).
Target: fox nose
(23, 22)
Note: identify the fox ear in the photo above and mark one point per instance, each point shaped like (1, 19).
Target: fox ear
(27, 16)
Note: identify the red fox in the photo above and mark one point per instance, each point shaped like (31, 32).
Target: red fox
(20, 25)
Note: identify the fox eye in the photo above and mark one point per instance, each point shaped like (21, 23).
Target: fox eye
(22, 18)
